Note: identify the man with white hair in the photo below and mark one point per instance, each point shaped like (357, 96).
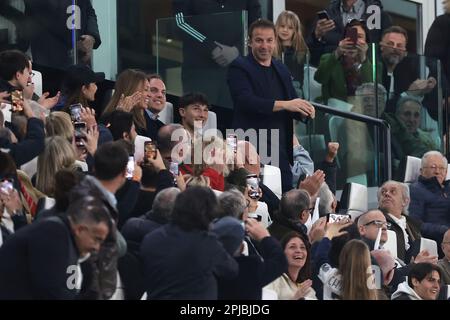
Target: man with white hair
(430, 196)
(393, 201)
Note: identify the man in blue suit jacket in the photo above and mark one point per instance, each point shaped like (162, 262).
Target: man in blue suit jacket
(264, 98)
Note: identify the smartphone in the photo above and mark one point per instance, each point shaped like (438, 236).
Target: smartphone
(173, 168)
(75, 112)
(149, 150)
(6, 187)
(80, 134)
(130, 168)
(255, 216)
(336, 217)
(232, 142)
(16, 101)
(352, 33)
(253, 186)
(323, 15)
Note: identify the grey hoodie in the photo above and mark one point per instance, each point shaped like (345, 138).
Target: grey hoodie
(405, 292)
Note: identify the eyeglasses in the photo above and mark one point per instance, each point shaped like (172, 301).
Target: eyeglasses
(379, 224)
(434, 167)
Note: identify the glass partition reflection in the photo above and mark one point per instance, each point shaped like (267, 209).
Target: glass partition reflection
(186, 48)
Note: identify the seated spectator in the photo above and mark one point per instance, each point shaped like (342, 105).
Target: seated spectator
(79, 86)
(326, 33)
(295, 208)
(393, 201)
(131, 94)
(58, 123)
(15, 73)
(295, 284)
(193, 109)
(58, 154)
(25, 197)
(36, 262)
(444, 263)
(423, 283)
(186, 235)
(260, 257)
(121, 126)
(405, 128)
(369, 225)
(156, 103)
(349, 281)
(64, 181)
(174, 143)
(430, 203)
(344, 70)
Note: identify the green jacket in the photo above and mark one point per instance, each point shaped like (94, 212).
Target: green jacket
(331, 75)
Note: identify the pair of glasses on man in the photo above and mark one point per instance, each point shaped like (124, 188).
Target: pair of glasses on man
(379, 224)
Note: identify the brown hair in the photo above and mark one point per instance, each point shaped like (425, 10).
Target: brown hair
(262, 24)
(395, 29)
(354, 263)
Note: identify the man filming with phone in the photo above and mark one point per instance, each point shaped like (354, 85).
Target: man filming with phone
(15, 74)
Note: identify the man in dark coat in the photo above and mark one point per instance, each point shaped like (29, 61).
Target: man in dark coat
(265, 100)
(41, 261)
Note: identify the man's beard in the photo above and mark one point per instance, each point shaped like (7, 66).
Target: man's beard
(392, 59)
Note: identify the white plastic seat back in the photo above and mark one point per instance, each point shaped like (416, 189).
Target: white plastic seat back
(412, 170)
(37, 80)
(429, 245)
(166, 114)
(263, 211)
(272, 179)
(391, 243)
(139, 147)
(356, 199)
(311, 88)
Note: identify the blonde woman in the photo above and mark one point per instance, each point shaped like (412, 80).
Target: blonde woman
(291, 46)
(58, 154)
(58, 123)
(131, 94)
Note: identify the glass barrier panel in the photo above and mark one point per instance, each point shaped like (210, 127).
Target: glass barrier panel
(359, 158)
(193, 52)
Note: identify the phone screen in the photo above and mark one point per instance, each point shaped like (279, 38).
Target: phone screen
(232, 142)
(75, 112)
(352, 33)
(6, 187)
(80, 135)
(335, 217)
(322, 15)
(130, 167)
(16, 101)
(253, 186)
(149, 150)
(174, 168)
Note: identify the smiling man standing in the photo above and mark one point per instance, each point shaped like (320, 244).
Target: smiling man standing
(264, 98)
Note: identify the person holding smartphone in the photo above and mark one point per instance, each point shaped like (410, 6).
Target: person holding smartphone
(15, 74)
(348, 67)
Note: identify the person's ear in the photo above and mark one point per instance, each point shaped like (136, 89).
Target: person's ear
(84, 88)
(126, 136)
(182, 112)
(405, 202)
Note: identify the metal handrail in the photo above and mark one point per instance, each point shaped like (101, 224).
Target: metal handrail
(382, 124)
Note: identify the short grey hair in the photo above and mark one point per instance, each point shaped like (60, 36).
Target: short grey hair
(232, 203)
(432, 153)
(164, 202)
(326, 199)
(403, 187)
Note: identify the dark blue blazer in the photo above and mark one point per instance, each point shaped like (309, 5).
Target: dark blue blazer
(253, 103)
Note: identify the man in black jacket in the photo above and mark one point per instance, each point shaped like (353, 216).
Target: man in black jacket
(15, 73)
(41, 260)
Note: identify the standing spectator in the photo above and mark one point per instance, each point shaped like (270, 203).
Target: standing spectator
(186, 236)
(264, 97)
(437, 46)
(41, 260)
(423, 283)
(291, 47)
(430, 203)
